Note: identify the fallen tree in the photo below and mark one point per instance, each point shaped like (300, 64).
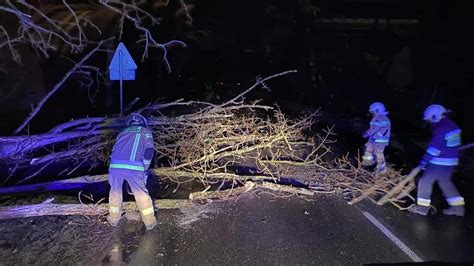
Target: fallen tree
(353, 181)
(195, 140)
(130, 208)
(206, 142)
(49, 208)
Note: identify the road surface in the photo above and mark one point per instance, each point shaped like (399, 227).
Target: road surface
(268, 230)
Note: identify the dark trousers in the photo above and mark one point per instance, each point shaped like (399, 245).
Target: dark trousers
(442, 175)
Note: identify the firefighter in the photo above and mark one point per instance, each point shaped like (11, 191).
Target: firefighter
(439, 162)
(131, 157)
(378, 137)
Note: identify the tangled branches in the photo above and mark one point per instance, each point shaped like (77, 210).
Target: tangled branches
(42, 32)
(71, 28)
(230, 143)
(198, 142)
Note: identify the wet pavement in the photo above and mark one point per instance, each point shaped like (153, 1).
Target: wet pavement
(258, 230)
(436, 237)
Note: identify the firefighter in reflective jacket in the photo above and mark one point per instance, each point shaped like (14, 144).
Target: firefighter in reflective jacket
(439, 161)
(378, 136)
(131, 157)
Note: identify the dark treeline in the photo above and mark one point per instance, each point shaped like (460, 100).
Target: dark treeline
(348, 53)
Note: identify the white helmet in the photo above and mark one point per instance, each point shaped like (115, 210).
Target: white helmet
(378, 108)
(136, 119)
(434, 113)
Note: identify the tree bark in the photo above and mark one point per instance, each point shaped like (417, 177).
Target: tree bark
(82, 181)
(47, 208)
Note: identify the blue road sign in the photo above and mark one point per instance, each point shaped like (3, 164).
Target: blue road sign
(122, 66)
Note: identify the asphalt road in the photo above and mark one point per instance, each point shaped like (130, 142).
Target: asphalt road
(259, 230)
(436, 238)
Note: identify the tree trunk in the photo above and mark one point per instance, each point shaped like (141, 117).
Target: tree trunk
(48, 208)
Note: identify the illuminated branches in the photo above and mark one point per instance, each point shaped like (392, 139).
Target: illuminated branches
(67, 28)
(198, 141)
(138, 17)
(41, 36)
(232, 142)
(215, 144)
(78, 67)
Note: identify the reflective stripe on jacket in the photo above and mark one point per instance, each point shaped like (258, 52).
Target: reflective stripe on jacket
(379, 131)
(444, 145)
(129, 149)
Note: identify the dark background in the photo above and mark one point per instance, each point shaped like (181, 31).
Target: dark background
(348, 53)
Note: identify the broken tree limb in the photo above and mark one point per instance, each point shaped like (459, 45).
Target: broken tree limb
(11, 147)
(82, 181)
(247, 187)
(59, 185)
(57, 87)
(467, 146)
(222, 194)
(48, 208)
(367, 193)
(286, 189)
(399, 187)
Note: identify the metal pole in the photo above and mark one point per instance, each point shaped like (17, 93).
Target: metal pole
(121, 94)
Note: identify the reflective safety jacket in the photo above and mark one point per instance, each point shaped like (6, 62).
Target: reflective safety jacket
(444, 145)
(129, 149)
(379, 131)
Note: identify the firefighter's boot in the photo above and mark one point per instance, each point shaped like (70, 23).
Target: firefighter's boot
(421, 210)
(454, 210)
(149, 221)
(381, 168)
(114, 218)
(367, 160)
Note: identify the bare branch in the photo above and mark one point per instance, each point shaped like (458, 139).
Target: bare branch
(56, 88)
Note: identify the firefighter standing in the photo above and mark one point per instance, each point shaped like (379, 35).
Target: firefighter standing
(131, 157)
(378, 136)
(439, 162)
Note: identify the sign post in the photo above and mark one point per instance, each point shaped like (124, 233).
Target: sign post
(122, 67)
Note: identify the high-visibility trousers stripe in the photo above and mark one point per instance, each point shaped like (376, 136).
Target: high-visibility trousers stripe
(456, 201)
(147, 211)
(423, 202)
(114, 209)
(367, 157)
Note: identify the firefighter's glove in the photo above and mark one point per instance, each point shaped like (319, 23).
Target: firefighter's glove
(145, 177)
(422, 165)
(146, 164)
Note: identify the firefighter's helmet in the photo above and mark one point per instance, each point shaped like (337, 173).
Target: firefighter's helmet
(434, 113)
(378, 108)
(136, 119)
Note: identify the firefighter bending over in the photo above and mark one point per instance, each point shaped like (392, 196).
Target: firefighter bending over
(378, 136)
(131, 157)
(439, 162)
